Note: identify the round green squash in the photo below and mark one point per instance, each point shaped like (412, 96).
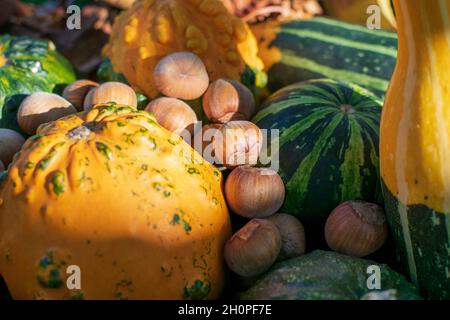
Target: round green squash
(328, 148)
(325, 275)
(28, 65)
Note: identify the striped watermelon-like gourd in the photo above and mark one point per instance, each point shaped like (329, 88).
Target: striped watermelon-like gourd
(415, 145)
(328, 147)
(297, 51)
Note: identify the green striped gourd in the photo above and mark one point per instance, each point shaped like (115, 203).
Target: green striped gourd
(28, 65)
(328, 147)
(415, 145)
(325, 48)
(324, 275)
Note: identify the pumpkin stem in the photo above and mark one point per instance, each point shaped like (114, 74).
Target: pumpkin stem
(347, 108)
(79, 133)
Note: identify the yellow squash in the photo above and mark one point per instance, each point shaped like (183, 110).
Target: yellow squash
(415, 144)
(355, 11)
(113, 193)
(152, 29)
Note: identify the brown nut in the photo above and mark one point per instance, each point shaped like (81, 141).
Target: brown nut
(42, 107)
(356, 228)
(228, 100)
(292, 235)
(76, 92)
(107, 92)
(173, 114)
(237, 143)
(254, 192)
(10, 143)
(254, 248)
(181, 75)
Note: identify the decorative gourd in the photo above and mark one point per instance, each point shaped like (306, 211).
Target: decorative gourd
(355, 11)
(114, 193)
(387, 8)
(297, 51)
(28, 65)
(151, 29)
(328, 148)
(415, 145)
(121, 4)
(325, 275)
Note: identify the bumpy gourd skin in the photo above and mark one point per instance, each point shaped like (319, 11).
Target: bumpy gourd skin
(152, 29)
(112, 192)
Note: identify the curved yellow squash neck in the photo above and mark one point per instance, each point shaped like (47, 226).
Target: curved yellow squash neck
(415, 130)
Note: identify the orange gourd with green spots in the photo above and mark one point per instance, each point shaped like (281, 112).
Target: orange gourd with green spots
(110, 191)
(152, 29)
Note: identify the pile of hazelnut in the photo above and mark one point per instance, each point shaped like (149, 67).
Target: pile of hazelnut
(234, 143)
(354, 228)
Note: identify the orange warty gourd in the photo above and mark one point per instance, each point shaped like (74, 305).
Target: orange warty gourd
(151, 29)
(110, 191)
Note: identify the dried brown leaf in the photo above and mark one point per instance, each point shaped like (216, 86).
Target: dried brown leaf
(253, 11)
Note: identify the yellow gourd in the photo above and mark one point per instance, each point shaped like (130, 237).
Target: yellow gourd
(151, 29)
(415, 145)
(113, 193)
(355, 11)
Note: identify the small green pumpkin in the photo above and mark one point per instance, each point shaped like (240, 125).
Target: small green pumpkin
(28, 65)
(325, 275)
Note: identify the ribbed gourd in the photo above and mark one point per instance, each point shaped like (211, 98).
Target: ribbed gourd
(151, 29)
(110, 191)
(415, 145)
